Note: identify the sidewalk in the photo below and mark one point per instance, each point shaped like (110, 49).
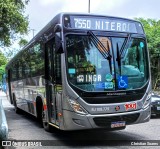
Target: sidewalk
(5, 101)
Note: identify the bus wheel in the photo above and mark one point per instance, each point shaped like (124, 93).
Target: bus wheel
(45, 124)
(17, 110)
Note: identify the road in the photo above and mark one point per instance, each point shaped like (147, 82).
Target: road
(25, 127)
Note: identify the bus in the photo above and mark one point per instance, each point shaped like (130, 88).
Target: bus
(83, 71)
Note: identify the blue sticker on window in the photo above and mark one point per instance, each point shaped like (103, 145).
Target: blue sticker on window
(100, 85)
(122, 82)
(71, 71)
(141, 44)
(105, 85)
(108, 85)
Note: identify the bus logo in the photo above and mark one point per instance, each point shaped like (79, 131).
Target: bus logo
(117, 108)
(130, 106)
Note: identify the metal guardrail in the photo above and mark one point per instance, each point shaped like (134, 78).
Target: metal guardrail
(3, 123)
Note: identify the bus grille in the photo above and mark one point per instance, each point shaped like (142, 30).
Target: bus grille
(106, 121)
(112, 99)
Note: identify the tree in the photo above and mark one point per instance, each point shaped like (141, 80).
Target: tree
(3, 59)
(3, 62)
(152, 30)
(12, 20)
(22, 42)
(10, 52)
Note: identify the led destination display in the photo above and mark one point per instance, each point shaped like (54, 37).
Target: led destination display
(102, 23)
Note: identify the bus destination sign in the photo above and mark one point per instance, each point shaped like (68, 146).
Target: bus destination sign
(105, 24)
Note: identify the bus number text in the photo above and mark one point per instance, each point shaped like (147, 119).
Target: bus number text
(80, 23)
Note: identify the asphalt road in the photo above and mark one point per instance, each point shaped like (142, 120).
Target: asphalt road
(25, 127)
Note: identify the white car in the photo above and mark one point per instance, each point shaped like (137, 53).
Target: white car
(3, 124)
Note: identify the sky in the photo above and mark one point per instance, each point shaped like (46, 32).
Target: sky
(40, 12)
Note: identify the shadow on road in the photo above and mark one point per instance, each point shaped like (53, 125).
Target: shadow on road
(22, 115)
(92, 137)
(100, 137)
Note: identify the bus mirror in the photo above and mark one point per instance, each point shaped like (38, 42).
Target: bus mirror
(58, 28)
(58, 43)
(58, 39)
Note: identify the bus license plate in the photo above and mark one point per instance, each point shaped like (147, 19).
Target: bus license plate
(118, 124)
(158, 108)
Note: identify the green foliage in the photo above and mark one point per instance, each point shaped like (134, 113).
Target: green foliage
(12, 20)
(22, 42)
(2, 69)
(10, 52)
(3, 62)
(152, 30)
(3, 59)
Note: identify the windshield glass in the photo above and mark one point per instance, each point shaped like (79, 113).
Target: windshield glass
(89, 70)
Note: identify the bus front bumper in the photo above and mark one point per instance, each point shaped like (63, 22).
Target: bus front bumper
(74, 121)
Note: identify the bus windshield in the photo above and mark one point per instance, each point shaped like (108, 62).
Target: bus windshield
(89, 70)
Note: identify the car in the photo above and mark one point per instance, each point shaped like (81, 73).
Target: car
(3, 124)
(155, 104)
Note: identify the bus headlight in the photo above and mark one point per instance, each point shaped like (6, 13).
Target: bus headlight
(147, 101)
(76, 106)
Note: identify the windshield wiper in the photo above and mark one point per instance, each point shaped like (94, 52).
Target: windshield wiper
(120, 52)
(125, 44)
(105, 53)
(118, 59)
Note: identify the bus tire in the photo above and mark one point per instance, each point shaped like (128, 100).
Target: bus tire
(45, 124)
(17, 110)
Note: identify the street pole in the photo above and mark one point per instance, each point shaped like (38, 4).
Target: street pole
(89, 6)
(33, 30)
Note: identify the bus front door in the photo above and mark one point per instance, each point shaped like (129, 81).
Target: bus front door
(50, 81)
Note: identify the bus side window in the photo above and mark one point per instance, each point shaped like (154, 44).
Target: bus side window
(13, 72)
(17, 69)
(27, 64)
(58, 68)
(20, 69)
